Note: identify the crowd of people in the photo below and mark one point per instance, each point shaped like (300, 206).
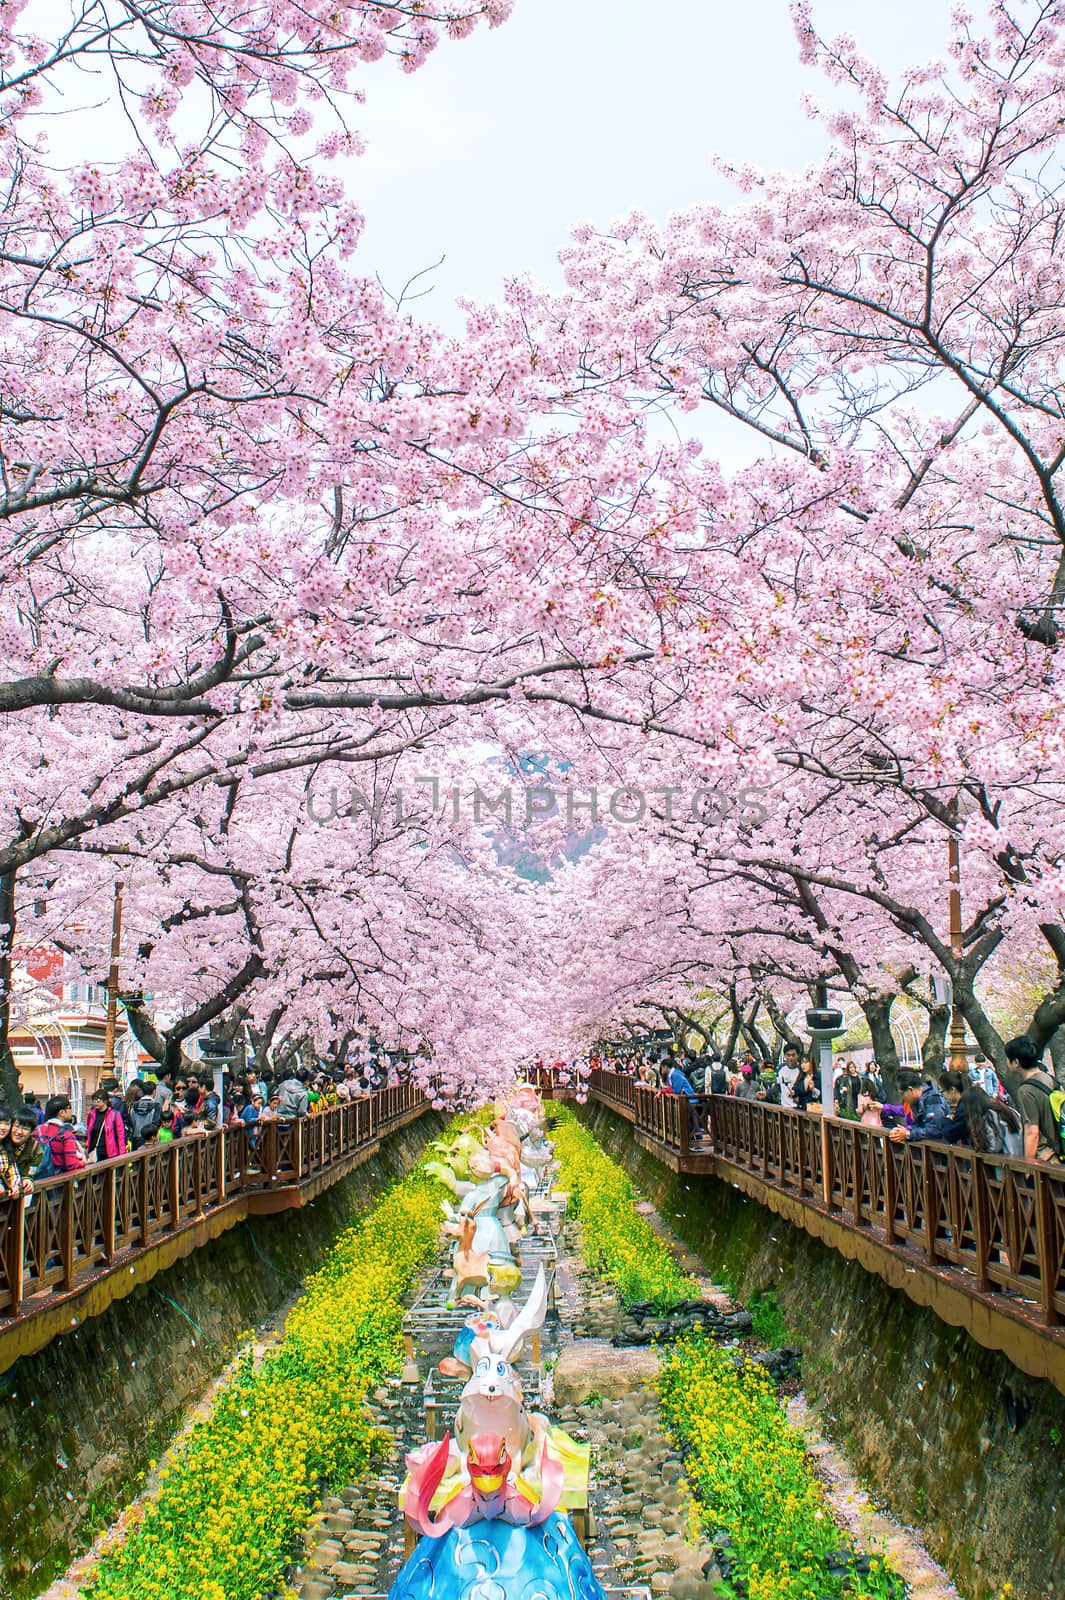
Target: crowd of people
(971, 1108)
(42, 1141)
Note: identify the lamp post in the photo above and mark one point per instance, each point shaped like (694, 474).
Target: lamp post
(957, 1055)
(824, 1023)
(112, 985)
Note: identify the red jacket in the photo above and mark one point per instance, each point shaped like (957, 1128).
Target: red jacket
(114, 1140)
(63, 1141)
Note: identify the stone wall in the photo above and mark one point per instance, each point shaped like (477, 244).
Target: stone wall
(950, 1436)
(81, 1419)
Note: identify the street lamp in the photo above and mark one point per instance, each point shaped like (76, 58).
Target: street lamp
(824, 1024)
(958, 1055)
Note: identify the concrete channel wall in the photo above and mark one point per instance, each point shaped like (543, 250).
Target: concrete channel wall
(80, 1420)
(953, 1438)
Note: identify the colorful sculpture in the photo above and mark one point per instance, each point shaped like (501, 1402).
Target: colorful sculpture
(487, 1246)
(494, 1559)
(486, 1501)
(497, 1330)
(487, 1489)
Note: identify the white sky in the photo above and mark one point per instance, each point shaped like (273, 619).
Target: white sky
(587, 109)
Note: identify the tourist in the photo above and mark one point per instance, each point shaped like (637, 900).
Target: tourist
(271, 1110)
(134, 1092)
(164, 1086)
(747, 1089)
(193, 1093)
(114, 1094)
(718, 1076)
(166, 1133)
(807, 1089)
(678, 1082)
(251, 1116)
(788, 1075)
(846, 1090)
(985, 1077)
(25, 1147)
(105, 1129)
(144, 1114)
(58, 1136)
(869, 1105)
(294, 1099)
(31, 1103)
(926, 1112)
(768, 1087)
(12, 1181)
(1041, 1138)
(990, 1125)
(211, 1106)
(645, 1078)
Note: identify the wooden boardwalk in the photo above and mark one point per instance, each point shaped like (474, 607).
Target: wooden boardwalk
(979, 1240)
(88, 1238)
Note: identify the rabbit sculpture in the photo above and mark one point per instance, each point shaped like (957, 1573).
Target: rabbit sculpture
(501, 1476)
(477, 1336)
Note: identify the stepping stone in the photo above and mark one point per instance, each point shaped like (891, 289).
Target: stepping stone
(592, 1366)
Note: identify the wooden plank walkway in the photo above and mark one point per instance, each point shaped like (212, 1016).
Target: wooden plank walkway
(88, 1238)
(979, 1240)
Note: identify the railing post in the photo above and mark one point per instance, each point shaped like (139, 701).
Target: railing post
(142, 1193)
(928, 1185)
(66, 1232)
(299, 1149)
(16, 1259)
(981, 1228)
(108, 1208)
(1044, 1224)
(269, 1156)
(199, 1154)
(684, 1119)
(173, 1178)
(827, 1163)
(856, 1170)
(891, 1188)
(220, 1156)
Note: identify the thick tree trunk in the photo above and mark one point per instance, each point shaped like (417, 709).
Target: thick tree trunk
(735, 1025)
(934, 1043)
(877, 1012)
(166, 1048)
(10, 1092)
(1049, 1014)
(781, 1025)
(751, 1033)
(1057, 1055)
(261, 1042)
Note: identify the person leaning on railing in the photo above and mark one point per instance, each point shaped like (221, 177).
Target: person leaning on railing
(1042, 1120)
(925, 1109)
(13, 1182)
(57, 1132)
(23, 1145)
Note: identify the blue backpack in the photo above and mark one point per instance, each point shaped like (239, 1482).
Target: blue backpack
(46, 1167)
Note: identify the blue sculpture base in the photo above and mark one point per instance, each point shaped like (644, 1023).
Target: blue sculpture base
(497, 1561)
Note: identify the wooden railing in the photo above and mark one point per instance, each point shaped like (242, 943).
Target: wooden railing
(547, 1083)
(1000, 1221)
(77, 1223)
